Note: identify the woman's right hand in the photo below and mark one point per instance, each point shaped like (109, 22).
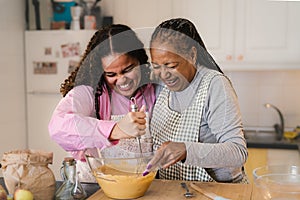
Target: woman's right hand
(133, 124)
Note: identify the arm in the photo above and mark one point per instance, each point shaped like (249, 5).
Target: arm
(223, 143)
(73, 125)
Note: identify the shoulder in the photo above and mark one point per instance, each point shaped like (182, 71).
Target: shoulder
(81, 91)
(219, 83)
(217, 79)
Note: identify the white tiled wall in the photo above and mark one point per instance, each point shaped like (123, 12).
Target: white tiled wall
(12, 103)
(280, 88)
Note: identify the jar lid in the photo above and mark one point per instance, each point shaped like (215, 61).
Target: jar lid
(69, 160)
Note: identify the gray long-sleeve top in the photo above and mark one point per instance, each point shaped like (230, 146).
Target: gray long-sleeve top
(222, 147)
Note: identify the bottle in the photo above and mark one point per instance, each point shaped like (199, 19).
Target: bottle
(71, 188)
(75, 12)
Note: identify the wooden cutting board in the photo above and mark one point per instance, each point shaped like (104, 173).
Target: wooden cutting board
(170, 190)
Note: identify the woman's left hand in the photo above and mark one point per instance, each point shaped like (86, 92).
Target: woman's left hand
(168, 154)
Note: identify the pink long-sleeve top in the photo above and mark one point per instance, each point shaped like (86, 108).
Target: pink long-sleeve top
(74, 126)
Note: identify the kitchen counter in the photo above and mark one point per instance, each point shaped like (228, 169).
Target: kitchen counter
(170, 190)
(268, 139)
(272, 145)
(90, 188)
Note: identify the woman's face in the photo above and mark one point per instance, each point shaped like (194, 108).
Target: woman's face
(174, 70)
(122, 73)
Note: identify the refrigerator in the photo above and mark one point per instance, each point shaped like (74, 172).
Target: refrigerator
(50, 56)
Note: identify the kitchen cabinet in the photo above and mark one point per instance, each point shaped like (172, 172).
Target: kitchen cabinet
(247, 34)
(258, 157)
(141, 13)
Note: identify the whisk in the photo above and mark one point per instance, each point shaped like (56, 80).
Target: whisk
(134, 108)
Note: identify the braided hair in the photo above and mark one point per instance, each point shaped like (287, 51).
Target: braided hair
(116, 38)
(183, 35)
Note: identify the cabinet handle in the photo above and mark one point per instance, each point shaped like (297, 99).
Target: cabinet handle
(240, 58)
(229, 57)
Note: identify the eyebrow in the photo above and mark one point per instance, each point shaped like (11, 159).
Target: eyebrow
(166, 63)
(122, 71)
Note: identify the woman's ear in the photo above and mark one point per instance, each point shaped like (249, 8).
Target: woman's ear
(193, 54)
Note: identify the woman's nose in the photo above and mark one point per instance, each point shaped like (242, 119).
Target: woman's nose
(120, 78)
(164, 73)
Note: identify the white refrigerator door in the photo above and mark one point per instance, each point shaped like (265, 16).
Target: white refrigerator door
(39, 111)
(59, 47)
(43, 86)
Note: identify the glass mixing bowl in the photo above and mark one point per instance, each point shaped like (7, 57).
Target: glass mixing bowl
(121, 178)
(277, 182)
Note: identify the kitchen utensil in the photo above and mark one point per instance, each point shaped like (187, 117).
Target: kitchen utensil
(277, 181)
(118, 177)
(36, 5)
(134, 108)
(188, 194)
(210, 195)
(75, 12)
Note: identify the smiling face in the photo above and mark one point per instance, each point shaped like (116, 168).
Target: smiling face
(122, 73)
(175, 70)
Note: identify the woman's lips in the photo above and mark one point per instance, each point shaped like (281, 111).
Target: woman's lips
(125, 87)
(171, 83)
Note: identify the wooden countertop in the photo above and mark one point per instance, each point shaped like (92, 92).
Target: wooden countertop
(170, 190)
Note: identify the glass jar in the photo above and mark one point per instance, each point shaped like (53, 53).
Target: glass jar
(71, 187)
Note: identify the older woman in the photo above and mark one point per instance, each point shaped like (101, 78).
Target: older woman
(196, 123)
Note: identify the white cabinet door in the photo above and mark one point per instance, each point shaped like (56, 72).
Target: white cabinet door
(268, 31)
(247, 34)
(214, 20)
(141, 13)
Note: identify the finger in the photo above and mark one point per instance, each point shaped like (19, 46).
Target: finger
(169, 163)
(141, 132)
(140, 115)
(141, 126)
(143, 108)
(154, 162)
(141, 121)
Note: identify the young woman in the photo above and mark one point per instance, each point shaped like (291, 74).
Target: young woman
(196, 123)
(95, 110)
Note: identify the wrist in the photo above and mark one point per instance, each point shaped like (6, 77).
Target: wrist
(183, 157)
(117, 133)
(114, 134)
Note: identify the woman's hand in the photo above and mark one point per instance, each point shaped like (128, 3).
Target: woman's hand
(131, 125)
(168, 154)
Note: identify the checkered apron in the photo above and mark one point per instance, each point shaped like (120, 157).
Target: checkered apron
(169, 125)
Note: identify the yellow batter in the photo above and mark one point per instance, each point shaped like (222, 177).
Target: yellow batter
(123, 185)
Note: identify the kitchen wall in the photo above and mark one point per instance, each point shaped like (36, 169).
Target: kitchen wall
(12, 106)
(280, 88)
